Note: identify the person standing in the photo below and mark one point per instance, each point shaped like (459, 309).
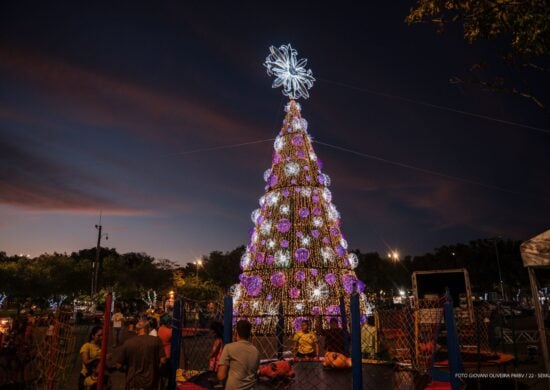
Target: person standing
(239, 361)
(118, 317)
(335, 338)
(88, 352)
(142, 356)
(217, 346)
(165, 336)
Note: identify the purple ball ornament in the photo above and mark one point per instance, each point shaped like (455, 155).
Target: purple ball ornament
(260, 257)
(294, 293)
(258, 320)
(300, 276)
(272, 181)
(278, 279)
(269, 297)
(316, 210)
(314, 272)
(276, 159)
(300, 154)
(348, 281)
(283, 225)
(286, 192)
(308, 178)
(293, 181)
(360, 286)
(297, 140)
(321, 179)
(306, 167)
(316, 310)
(284, 243)
(270, 260)
(304, 212)
(253, 285)
(299, 234)
(326, 240)
(334, 231)
(330, 278)
(340, 250)
(315, 233)
(315, 198)
(301, 255)
(319, 163)
(332, 310)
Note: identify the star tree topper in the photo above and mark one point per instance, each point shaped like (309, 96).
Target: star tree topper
(289, 72)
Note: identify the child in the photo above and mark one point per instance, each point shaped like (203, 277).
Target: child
(306, 345)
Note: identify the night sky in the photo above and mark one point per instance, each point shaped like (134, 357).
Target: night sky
(100, 105)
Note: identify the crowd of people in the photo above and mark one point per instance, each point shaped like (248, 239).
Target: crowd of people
(140, 348)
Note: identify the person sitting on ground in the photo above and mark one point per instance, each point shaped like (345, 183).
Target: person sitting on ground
(305, 342)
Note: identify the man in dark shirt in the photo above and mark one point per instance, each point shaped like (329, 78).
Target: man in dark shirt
(142, 355)
(334, 338)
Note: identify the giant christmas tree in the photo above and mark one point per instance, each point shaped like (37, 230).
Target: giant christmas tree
(297, 255)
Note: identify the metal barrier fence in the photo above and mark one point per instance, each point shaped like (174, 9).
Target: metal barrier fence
(394, 347)
(403, 346)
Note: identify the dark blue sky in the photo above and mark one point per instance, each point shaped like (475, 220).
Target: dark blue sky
(98, 103)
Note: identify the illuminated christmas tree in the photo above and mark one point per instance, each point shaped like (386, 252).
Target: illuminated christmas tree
(297, 255)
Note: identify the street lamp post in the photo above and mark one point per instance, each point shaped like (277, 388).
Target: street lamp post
(198, 264)
(499, 271)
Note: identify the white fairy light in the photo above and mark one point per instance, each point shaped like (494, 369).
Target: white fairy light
(272, 309)
(271, 243)
(327, 179)
(305, 240)
(254, 216)
(353, 260)
(282, 258)
(344, 243)
(256, 305)
(319, 291)
(245, 260)
(262, 200)
(296, 124)
(273, 198)
(304, 125)
(312, 156)
(299, 307)
(289, 72)
(306, 192)
(254, 237)
(317, 221)
(265, 227)
(298, 106)
(279, 143)
(327, 195)
(267, 173)
(333, 214)
(235, 291)
(292, 169)
(284, 209)
(327, 253)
